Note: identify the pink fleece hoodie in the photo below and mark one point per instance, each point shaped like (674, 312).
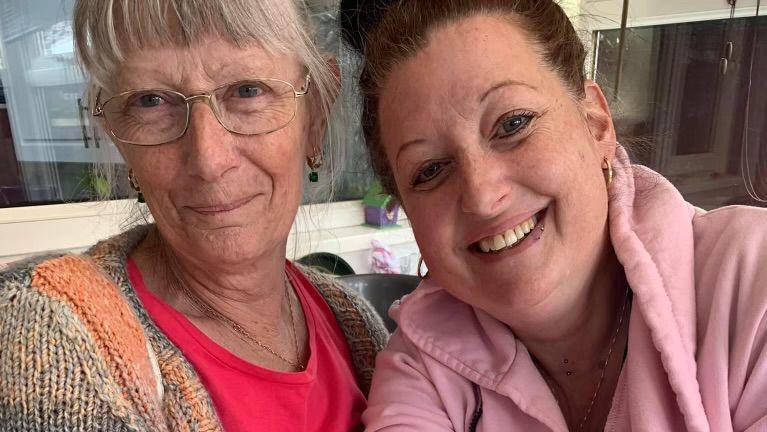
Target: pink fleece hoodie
(697, 354)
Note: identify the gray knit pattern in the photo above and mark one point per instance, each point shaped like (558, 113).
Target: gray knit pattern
(55, 375)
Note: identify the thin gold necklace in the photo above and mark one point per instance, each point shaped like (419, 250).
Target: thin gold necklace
(607, 362)
(618, 328)
(211, 312)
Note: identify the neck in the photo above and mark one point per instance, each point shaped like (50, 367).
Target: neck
(575, 332)
(578, 346)
(240, 292)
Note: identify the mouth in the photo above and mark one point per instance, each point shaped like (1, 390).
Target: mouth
(222, 208)
(513, 237)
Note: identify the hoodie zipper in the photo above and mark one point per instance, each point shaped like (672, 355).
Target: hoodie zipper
(478, 410)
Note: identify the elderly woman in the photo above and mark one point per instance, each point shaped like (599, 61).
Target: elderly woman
(197, 323)
(567, 288)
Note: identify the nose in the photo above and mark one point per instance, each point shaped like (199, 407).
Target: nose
(485, 184)
(211, 150)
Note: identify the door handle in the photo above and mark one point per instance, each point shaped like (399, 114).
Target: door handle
(96, 140)
(83, 129)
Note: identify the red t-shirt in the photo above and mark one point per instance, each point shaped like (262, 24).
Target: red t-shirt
(324, 398)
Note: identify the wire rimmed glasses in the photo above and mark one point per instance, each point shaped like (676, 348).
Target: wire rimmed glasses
(148, 117)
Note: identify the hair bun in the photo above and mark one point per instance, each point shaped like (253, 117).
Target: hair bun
(359, 17)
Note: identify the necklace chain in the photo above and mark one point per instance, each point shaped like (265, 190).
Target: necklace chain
(209, 311)
(607, 361)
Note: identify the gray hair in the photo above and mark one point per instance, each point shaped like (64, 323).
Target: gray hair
(107, 30)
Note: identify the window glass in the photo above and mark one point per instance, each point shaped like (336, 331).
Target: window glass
(46, 148)
(682, 92)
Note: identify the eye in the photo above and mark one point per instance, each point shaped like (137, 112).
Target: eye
(429, 172)
(513, 124)
(150, 100)
(249, 90)
(145, 100)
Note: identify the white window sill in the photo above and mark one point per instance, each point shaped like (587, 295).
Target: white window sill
(335, 227)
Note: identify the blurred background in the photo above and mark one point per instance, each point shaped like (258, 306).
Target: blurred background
(683, 76)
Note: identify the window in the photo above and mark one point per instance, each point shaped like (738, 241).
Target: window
(46, 149)
(47, 146)
(683, 89)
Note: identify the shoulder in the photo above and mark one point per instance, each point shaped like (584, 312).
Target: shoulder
(22, 276)
(730, 279)
(347, 304)
(48, 308)
(363, 328)
(68, 285)
(737, 220)
(733, 238)
(35, 292)
(731, 273)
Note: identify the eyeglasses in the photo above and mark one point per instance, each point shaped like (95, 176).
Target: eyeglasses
(158, 116)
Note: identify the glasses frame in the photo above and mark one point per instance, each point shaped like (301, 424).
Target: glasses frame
(207, 99)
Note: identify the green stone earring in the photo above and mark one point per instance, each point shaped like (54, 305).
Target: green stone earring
(314, 162)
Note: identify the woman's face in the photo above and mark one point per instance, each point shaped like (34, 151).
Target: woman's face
(485, 140)
(216, 196)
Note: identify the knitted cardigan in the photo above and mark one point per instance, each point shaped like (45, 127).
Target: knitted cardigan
(78, 351)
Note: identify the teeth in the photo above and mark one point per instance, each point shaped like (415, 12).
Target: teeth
(509, 238)
(519, 231)
(498, 243)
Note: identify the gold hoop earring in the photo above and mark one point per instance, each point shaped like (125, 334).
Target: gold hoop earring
(135, 186)
(608, 171)
(418, 270)
(315, 162)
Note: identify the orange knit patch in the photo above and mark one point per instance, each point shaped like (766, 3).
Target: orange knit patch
(109, 319)
(191, 390)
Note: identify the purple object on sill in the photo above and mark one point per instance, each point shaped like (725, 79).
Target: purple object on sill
(380, 217)
(381, 209)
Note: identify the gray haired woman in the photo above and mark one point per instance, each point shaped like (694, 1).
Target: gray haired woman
(196, 322)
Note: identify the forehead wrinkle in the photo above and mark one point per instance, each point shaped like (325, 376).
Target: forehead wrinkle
(200, 68)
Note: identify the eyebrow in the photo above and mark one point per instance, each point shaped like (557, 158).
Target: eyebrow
(406, 145)
(503, 84)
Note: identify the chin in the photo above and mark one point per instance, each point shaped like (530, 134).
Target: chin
(232, 245)
(502, 295)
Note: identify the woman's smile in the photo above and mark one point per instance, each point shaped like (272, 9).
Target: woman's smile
(514, 236)
(223, 208)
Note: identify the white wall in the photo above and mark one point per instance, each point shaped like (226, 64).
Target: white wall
(571, 7)
(607, 13)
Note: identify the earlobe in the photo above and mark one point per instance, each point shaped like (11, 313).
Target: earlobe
(599, 118)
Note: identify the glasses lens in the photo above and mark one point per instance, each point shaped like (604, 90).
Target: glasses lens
(146, 117)
(255, 107)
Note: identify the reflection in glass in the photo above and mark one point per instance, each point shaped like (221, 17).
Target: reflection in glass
(675, 95)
